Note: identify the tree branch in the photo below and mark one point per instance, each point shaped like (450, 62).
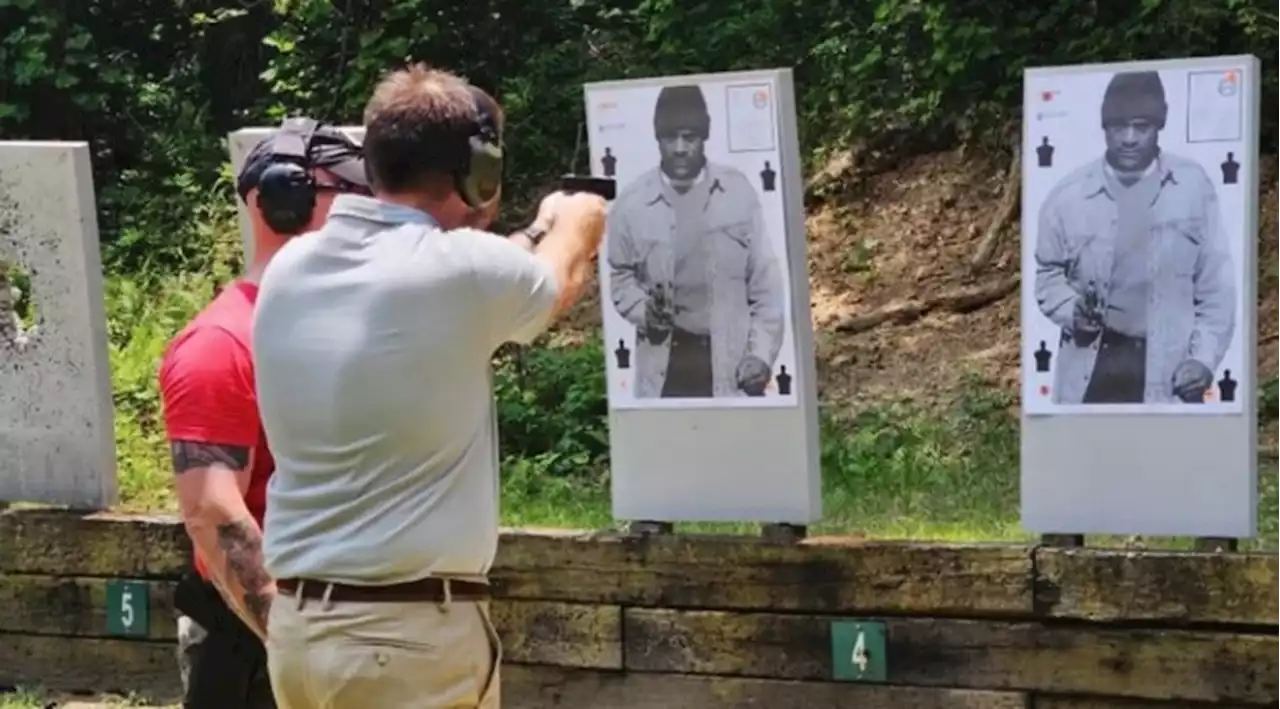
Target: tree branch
(960, 300)
(1006, 211)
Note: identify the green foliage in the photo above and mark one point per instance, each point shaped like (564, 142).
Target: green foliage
(141, 320)
(154, 85)
(900, 464)
(150, 85)
(12, 276)
(22, 698)
(552, 412)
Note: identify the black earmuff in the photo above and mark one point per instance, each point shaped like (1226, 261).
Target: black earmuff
(286, 197)
(480, 178)
(286, 189)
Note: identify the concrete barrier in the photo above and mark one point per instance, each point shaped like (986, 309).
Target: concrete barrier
(56, 439)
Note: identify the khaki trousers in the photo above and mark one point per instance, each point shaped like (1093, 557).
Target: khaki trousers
(360, 655)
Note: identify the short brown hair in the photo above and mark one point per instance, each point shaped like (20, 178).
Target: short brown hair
(417, 127)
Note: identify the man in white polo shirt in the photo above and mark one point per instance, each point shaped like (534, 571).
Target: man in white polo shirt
(372, 347)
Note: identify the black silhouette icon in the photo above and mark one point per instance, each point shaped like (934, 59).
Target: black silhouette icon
(1227, 386)
(609, 162)
(623, 355)
(1044, 153)
(1043, 357)
(768, 177)
(784, 381)
(1230, 170)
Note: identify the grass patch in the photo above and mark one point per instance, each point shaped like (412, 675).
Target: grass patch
(28, 698)
(22, 699)
(898, 469)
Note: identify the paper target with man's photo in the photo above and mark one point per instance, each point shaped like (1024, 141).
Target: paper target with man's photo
(1134, 257)
(695, 280)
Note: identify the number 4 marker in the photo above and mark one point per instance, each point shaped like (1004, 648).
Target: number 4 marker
(860, 652)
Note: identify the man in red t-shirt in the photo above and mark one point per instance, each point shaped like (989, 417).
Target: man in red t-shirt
(220, 455)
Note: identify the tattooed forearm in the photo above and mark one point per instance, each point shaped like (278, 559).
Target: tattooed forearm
(241, 542)
(189, 455)
(259, 606)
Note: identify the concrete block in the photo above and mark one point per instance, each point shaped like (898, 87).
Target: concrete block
(243, 141)
(57, 442)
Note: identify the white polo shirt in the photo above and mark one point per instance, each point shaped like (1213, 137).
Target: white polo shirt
(371, 342)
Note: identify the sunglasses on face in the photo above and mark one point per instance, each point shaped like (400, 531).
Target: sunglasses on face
(342, 186)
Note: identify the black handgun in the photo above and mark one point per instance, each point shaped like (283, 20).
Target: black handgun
(606, 187)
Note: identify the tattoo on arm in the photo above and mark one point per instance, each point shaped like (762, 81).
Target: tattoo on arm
(242, 544)
(189, 455)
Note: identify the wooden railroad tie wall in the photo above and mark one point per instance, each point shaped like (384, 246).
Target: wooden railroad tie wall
(611, 621)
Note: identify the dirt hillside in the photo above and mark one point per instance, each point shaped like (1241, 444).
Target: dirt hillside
(914, 277)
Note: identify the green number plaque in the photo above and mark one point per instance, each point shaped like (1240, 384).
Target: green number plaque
(858, 651)
(128, 608)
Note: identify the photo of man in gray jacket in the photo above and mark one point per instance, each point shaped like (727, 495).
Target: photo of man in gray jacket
(692, 268)
(1133, 265)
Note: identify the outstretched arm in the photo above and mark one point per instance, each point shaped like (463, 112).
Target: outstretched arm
(523, 287)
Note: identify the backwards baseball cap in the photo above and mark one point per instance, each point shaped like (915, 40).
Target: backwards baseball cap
(310, 144)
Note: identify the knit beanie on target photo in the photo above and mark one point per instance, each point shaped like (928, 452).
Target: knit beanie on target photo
(681, 108)
(1135, 95)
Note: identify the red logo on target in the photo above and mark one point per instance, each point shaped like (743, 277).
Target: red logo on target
(760, 99)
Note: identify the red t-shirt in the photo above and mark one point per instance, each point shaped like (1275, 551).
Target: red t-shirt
(206, 383)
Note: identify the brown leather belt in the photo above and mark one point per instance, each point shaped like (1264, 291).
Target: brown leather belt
(429, 590)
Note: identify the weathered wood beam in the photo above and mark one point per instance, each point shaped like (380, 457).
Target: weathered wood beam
(1154, 664)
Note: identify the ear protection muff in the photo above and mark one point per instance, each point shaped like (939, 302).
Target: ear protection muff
(286, 189)
(480, 178)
